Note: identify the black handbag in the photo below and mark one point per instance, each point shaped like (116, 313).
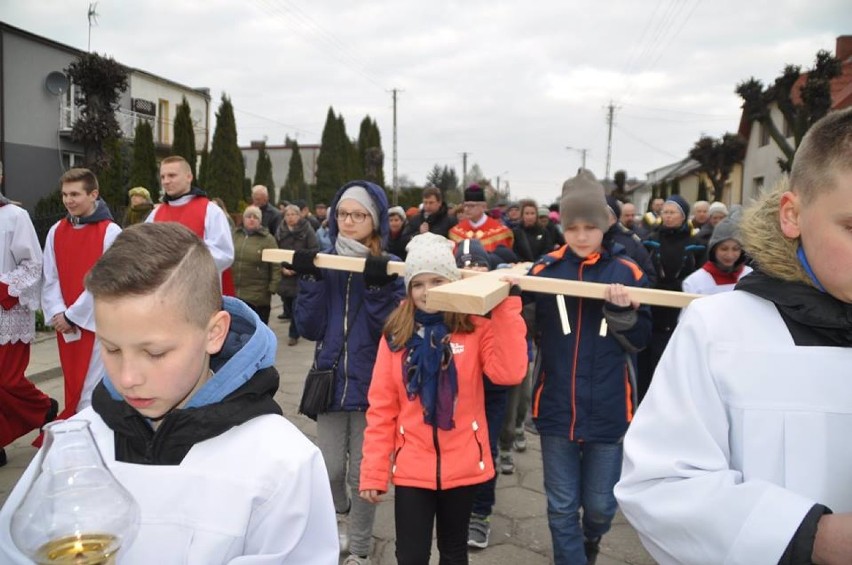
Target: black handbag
(319, 384)
(318, 392)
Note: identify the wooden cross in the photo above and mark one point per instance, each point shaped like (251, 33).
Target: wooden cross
(478, 292)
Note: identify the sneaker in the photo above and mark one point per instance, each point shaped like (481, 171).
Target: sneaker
(592, 547)
(479, 531)
(2, 456)
(356, 560)
(343, 532)
(520, 443)
(507, 464)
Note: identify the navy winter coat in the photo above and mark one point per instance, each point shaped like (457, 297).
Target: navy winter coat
(326, 308)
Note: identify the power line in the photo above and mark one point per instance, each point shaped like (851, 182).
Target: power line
(321, 38)
(645, 143)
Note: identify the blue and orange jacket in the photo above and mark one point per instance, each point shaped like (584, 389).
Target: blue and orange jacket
(582, 387)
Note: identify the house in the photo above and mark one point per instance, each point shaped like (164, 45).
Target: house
(37, 112)
(280, 157)
(760, 168)
(688, 178)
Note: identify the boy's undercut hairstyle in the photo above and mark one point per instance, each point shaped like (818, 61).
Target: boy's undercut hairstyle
(825, 151)
(164, 258)
(87, 177)
(177, 159)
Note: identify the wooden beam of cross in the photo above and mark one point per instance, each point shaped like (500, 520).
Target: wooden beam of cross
(478, 293)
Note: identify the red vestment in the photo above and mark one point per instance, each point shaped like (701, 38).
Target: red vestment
(76, 251)
(192, 215)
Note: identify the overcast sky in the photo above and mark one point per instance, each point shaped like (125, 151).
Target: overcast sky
(511, 83)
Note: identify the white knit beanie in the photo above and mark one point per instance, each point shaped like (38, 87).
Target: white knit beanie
(430, 253)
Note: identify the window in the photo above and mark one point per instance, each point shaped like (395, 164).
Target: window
(163, 123)
(757, 186)
(763, 132)
(71, 160)
(68, 108)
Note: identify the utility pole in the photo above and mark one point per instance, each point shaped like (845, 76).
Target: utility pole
(395, 177)
(464, 169)
(93, 17)
(609, 120)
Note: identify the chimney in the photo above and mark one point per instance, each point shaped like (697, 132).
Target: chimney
(844, 48)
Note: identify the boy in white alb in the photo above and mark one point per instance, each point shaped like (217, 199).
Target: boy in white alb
(72, 246)
(187, 421)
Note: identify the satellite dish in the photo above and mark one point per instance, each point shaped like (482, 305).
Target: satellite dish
(56, 83)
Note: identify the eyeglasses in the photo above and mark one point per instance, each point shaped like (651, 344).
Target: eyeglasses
(356, 217)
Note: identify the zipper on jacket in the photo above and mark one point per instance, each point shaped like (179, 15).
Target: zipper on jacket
(239, 277)
(475, 427)
(576, 352)
(398, 449)
(437, 458)
(345, 346)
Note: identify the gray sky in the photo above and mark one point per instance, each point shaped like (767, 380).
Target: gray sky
(511, 83)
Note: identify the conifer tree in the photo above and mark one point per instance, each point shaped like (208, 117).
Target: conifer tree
(263, 169)
(112, 179)
(331, 163)
(369, 139)
(184, 135)
(203, 166)
(295, 187)
(225, 172)
(143, 171)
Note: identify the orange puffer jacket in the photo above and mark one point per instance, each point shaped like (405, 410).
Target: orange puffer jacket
(399, 446)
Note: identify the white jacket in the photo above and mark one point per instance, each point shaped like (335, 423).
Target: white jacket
(741, 433)
(257, 494)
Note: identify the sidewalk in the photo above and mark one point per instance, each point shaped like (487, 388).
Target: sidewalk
(519, 525)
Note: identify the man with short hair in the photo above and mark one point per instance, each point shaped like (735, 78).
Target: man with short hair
(478, 225)
(306, 214)
(433, 216)
(190, 206)
(320, 211)
(700, 214)
(73, 245)
(271, 217)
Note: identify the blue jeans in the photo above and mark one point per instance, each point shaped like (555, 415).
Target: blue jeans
(578, 475)
(495, 411)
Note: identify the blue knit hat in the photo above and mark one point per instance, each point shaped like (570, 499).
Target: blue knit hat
(680, 202)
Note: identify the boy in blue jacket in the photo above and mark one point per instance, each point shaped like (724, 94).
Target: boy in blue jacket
(582, 400)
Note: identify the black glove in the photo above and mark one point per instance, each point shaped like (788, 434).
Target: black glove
(376, 271)
(303, 263)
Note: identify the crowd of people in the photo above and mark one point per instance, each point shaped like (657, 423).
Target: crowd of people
(718, 429)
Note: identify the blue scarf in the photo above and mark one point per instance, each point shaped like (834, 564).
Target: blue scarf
(429, 370)
(803, 260)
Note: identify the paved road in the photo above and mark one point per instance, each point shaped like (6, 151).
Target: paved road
(519, 524)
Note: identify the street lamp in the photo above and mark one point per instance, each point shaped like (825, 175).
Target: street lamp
(581, 151)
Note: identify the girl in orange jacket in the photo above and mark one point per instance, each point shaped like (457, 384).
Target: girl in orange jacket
(426, 428)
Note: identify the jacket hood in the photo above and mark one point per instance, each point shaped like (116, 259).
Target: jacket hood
(242, 388)
(772, 251)
(193, 191)
(378, 195)
(101, 213)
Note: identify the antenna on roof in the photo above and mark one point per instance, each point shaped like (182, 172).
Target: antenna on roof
(93, 18)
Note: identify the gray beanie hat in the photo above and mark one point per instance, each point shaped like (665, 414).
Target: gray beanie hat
(360, 195)
(729, 228)
(430, 253)
(717, 208)
(583, 198)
